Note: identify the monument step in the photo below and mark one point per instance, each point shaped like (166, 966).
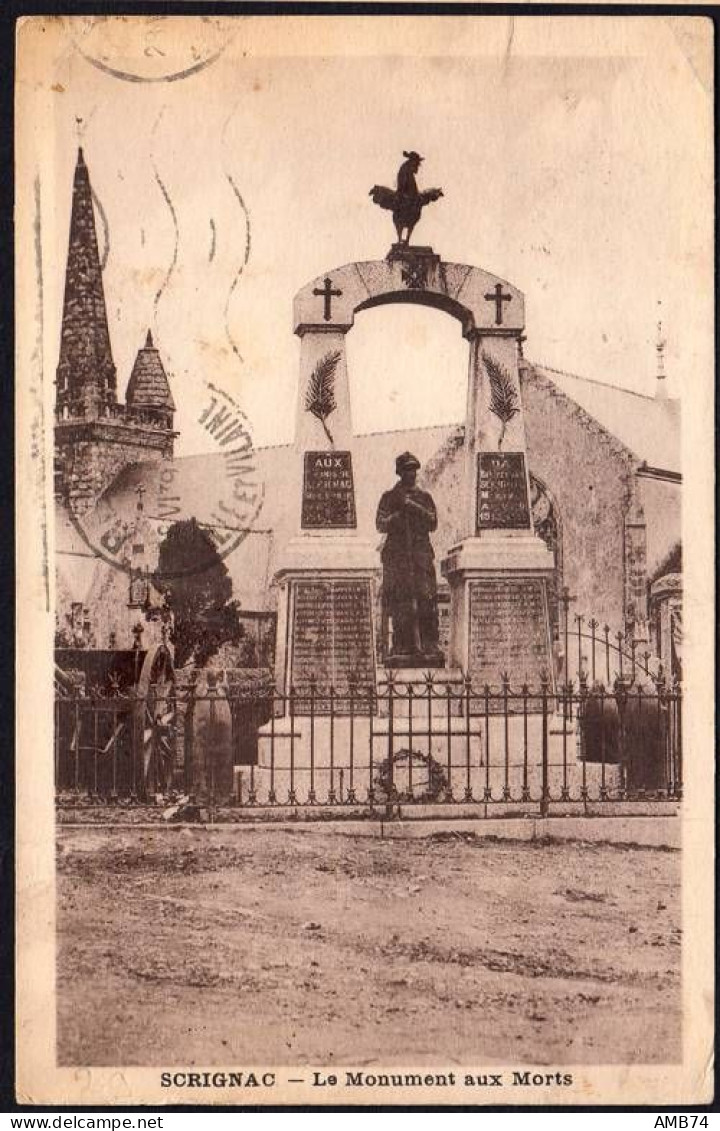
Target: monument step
(403, 679)
(498, 784)
(426, 726)
(418, 676)
(559, 725)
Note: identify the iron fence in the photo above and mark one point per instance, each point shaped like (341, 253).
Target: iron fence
(432, 742)
(592, 650)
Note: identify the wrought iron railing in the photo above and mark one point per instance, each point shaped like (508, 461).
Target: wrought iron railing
(427, 742)
(596, 652)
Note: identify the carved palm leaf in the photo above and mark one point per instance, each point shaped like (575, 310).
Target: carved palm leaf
(320, 395)
(503, 394)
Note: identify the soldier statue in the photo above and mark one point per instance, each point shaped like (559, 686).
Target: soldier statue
(407, 515)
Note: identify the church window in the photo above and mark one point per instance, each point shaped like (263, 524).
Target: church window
(139, 592)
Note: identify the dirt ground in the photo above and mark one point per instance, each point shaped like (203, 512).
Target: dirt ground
(261, 946)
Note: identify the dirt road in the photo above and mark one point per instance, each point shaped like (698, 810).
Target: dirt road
(261, 946)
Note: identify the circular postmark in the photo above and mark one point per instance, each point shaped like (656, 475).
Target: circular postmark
(223, 493)
(150, 48)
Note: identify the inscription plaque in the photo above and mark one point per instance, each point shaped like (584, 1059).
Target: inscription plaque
(502, 494)
(510, 632)
(332, 640)
(328, 498)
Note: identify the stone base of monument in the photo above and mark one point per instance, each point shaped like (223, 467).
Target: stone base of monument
(327, 550)
(503, 551)
(415, 661)
(405, 252)
(325, 626)
(561, 724)
(410, 686)
(499, 621)
(427, 756)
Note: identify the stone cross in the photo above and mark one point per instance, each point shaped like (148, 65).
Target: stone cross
(328, 294)
(498, 298)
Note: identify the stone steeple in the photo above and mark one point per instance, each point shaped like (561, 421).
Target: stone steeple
(86, 376)
(661, 380)
(96, 436)
(148, 392)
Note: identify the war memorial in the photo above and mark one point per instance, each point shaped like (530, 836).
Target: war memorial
(481, 616)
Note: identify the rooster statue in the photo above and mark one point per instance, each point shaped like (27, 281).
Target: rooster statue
(406, 202)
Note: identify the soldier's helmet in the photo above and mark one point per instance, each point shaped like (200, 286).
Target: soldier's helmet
(406, 461)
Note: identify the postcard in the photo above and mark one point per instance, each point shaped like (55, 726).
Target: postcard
(365, 552)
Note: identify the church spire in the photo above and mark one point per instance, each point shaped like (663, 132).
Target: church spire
(660, 381)
(86, 378)
(148, 392)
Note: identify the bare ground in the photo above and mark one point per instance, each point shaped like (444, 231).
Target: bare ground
(264, 946)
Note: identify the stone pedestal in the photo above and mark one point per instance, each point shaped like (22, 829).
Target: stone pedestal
(325, 669)
(413, 694)
(498, 574)
(404, 661)
(326, 631)
(424, 746)
(500, 625)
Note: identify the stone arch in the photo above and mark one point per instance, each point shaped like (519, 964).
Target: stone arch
(487, 308)
(412, 352)
(435, 300)
(478, 300)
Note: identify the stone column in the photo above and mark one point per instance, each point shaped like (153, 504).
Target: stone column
(498, 573)
(635, 572)
(324, 501)
(494, 383)
(327, 572)
(323, 351)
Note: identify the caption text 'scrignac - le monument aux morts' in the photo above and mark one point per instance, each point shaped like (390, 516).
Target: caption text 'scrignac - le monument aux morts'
(552, 484)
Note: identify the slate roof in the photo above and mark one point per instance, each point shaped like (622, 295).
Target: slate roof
(148, 386)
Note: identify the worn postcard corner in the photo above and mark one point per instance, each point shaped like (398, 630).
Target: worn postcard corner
(365, 543)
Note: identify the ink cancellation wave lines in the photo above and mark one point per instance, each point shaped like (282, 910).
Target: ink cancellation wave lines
(173, 261)
(166, 197)
(246, 256)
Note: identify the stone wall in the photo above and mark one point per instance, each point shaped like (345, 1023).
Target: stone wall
(663, 514)
(592, 478)
(89, 457)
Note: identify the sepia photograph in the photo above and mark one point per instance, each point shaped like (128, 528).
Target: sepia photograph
(365, 462)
